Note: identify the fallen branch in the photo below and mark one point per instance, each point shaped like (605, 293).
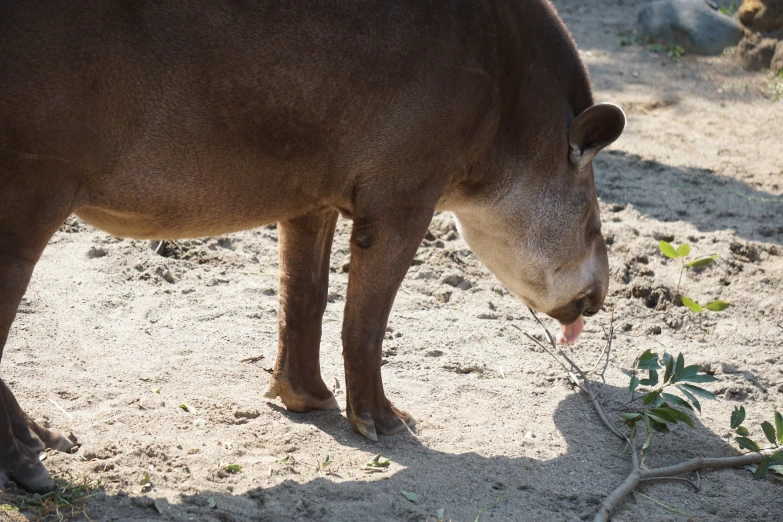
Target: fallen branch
(637, 475)
(667, 473)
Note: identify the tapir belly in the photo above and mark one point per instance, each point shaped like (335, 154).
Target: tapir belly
(202, 194)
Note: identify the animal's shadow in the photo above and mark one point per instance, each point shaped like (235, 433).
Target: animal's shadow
(699, 196)
(566, 488)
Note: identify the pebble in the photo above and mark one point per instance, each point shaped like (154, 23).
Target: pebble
(249, 414)
(452, 279)
(96, 252)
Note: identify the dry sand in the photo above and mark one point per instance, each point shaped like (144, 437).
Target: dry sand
(119, 337)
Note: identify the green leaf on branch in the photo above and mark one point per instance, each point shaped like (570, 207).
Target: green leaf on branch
(690, 397)
(668, 361)
(668, 250)
(692, 305)
(701, 392)
(649, 365)
(701, 262)
(717, 306)
(680, 416)
(651, 380)
(648, 440)
(702, 377)
(683, 250)
(748, 444)
(659, 427)
(648, 361)
(779, 426)
(631, 418)
(769, 432)
(651, 398)
(678, 366)
(677, 401)
(761, 469)
(776, 463)
(742, 430)
(669, 414)
(662, 415)
(688, 371)
(692, 374)
(737, 416)
(634, 383)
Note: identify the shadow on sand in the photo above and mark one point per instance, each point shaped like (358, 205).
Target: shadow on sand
(701, 197)
(566, 488)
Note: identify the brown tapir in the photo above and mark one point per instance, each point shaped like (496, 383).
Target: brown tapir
(182, 118)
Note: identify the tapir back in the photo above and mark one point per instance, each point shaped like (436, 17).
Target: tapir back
(224, 115)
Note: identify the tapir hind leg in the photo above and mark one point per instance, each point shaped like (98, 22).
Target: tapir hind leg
(305, 248)
(32, 207)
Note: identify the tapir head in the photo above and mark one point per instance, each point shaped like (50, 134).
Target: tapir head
(539, 230)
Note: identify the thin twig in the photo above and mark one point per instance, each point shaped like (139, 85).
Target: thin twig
(252, 359)
(560, 352)
(607, 349)
(682, 479)
(679, 280)
(667, 507)
(543, 347)
(61, 409)
(710, 463)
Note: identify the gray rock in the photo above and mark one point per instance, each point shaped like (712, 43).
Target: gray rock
(777, 60)
(691, 24)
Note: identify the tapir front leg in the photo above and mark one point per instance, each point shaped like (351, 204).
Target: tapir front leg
(33, 204)
(386, 233)
(305, 248)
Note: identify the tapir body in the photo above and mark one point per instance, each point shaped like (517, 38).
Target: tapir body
(167, 119)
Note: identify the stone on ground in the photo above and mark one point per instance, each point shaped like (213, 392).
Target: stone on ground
(691, 24)
(777, 60)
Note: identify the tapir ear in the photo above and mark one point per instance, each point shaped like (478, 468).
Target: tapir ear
(594, 129)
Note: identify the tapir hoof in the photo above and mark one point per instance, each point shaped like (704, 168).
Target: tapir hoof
(54, 439)
(301, 402)
(26, 469)
(386, 420)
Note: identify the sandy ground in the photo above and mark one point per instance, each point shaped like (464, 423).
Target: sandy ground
(119, 337)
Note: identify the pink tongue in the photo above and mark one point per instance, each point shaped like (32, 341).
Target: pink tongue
(571, 332)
